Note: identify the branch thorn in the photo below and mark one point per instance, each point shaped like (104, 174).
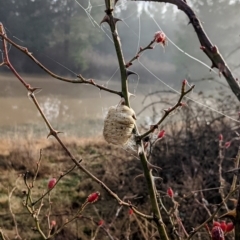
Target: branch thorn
(105, 19)
(129, 72)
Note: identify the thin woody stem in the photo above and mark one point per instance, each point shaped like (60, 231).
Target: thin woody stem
(79, 78)
(207, 47)
(2, 237)
(109, 18)
(11, 211)
(213, 214)
(49, 190)
(112, 23)
(168, 111)
(54, 133)
(221, 179)
(149, 46)
(236, 166)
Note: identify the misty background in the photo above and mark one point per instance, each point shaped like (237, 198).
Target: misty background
(65, 36)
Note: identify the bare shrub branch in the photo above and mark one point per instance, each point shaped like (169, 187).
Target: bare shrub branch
(207, 47)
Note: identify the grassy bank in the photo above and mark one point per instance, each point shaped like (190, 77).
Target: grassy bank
(114, 166)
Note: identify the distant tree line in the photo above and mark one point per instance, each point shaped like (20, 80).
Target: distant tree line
(60, 30)
(49, 28)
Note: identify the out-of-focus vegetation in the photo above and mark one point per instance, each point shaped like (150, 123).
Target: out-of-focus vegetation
(61, 30)
(188, 156)
(54, 28)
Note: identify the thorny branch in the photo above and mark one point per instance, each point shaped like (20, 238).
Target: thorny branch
(111, 20)
(54, 133)
(233, 189)
(207, 47)
(195, 230)
(210, 50)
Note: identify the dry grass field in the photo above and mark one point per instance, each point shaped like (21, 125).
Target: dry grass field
(188, 156)
(112, 165)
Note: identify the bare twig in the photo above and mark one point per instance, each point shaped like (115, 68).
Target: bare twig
(151, 104)
(50, 189)
(11, 211)
(140, 227)
(149, 46)
(169, 110)
(221, 179)
(236, 166)
(207, 47)
(195, 230)
(2, 237)
(49, 214)
(38, 166)
(170, 213)
(104, 228)
(111, 20)
(157, 92)
(203, 205)
(54, 133)
(237, 220)
(79, 78)
(67, 221)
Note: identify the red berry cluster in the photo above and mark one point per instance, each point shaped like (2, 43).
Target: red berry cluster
(220, 228)
(226, 227)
